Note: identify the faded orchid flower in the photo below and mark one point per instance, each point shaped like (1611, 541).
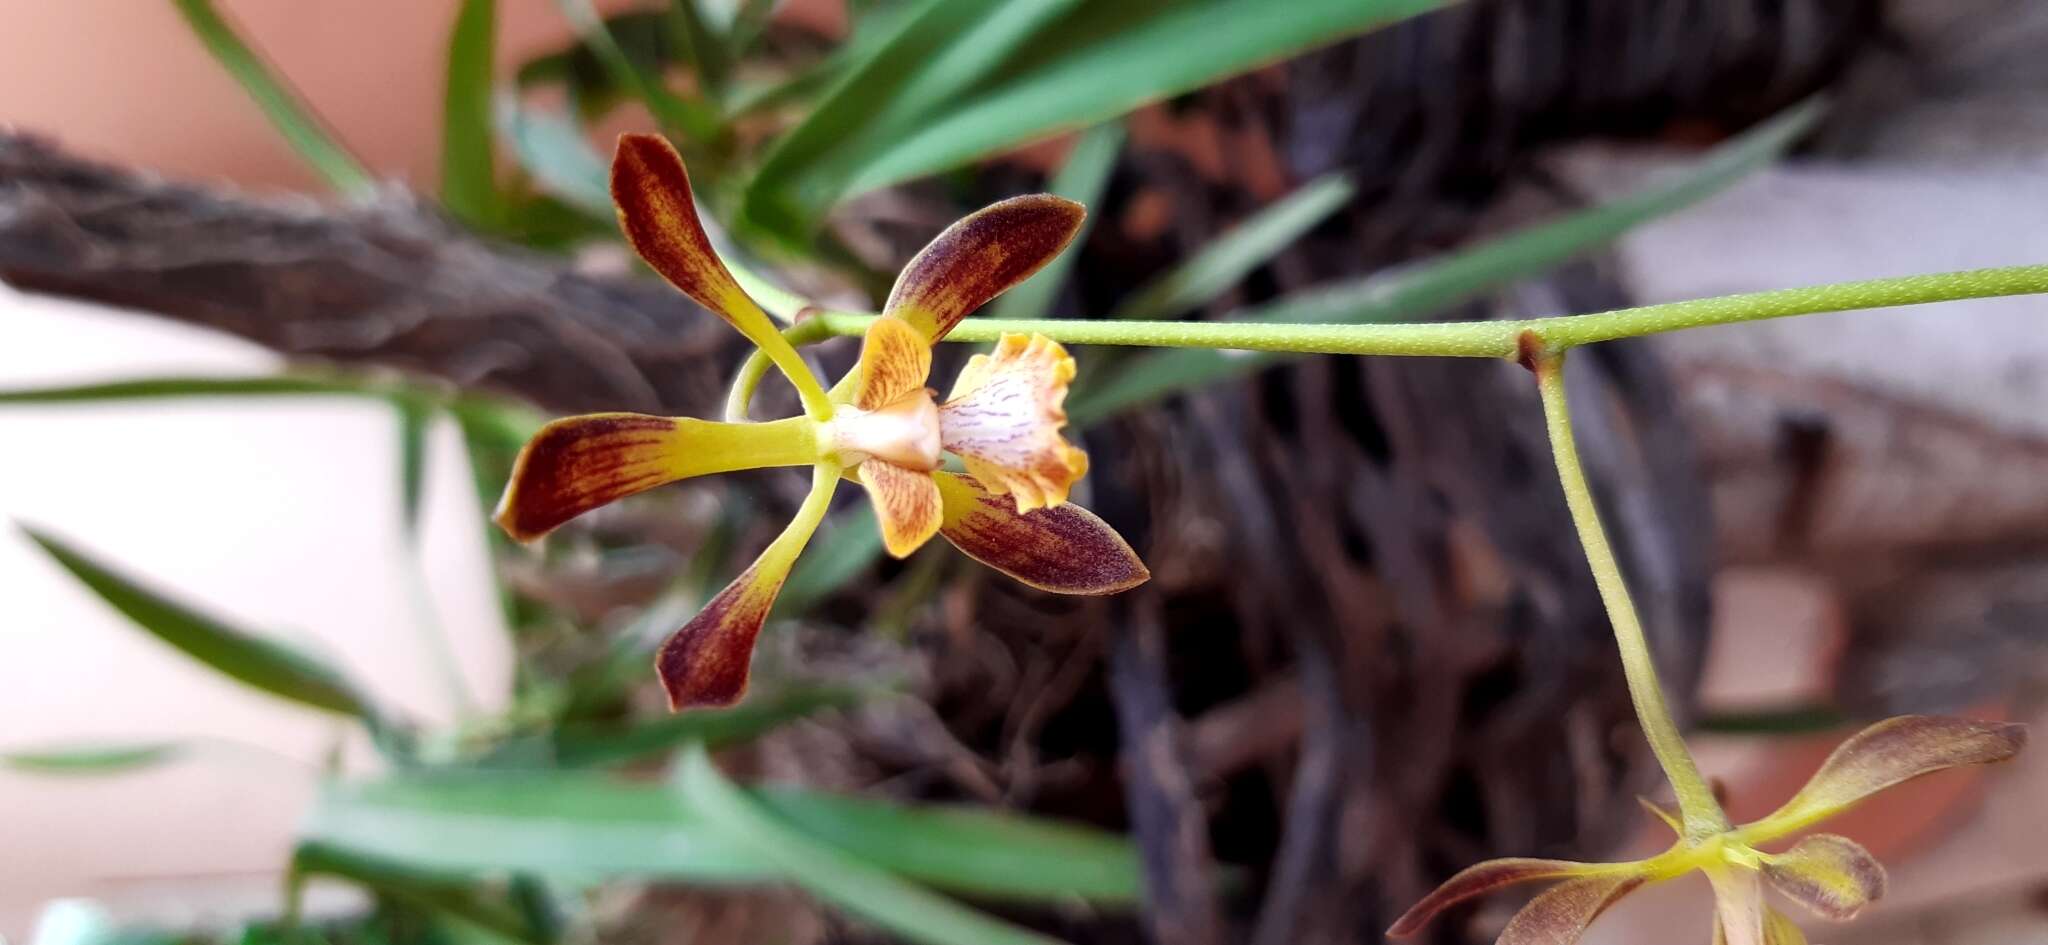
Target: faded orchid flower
(1830, 875)
(880, 425)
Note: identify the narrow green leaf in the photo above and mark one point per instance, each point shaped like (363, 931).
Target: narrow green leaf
(551, 147)
(1797, 719)
(847, 882)
(413, 419)
(1093, 62)
(1081, 179)
(982, 852)
(469, 186)
(775, 200)
(94, 759)
(451, 896)
(692, 119)
(176, 387)
(579, 827)
(702, 45)
(1228, 258)
(1419, 289)
(259, 662)
(287, 113)
(586, 745)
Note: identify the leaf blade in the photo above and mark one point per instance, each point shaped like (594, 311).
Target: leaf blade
(469, 186)
(287, 112)
(261, 663)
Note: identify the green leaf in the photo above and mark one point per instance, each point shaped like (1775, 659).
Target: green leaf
(845, 881)
(287, 113)
(1092, 62)
(704, 48)
(94, 759)
(259, 662)
(469, 187)
(175, 387)
(585, 745)
(692, 119)
(579, 827)
(450, 896)
(413, 420)
(1228, 258)
(551, 147)
(1081, 179)
(982, 852)
(1419, 289)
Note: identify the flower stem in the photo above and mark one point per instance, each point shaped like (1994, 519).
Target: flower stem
(1498, 339)
(1701, 813)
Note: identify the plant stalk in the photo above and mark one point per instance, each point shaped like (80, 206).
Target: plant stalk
(1700, 813)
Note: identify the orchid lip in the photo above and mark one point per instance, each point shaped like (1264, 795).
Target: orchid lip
(904, 432)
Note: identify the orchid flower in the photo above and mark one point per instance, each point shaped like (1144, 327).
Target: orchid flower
(1832, 876)
(879, 426)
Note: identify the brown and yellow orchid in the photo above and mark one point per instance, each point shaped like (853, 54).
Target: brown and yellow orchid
(880, 425)
(1832, 876)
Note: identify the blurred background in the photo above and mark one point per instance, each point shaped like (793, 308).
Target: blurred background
(285, 285)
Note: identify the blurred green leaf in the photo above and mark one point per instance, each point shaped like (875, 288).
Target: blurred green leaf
(259, 662)
(469, 186)
(176, 387)
(694, 120)
(1089, 63)
(551, 147)
(1081, 179)
(94, 759)
(845, 881)
(287, 113)
(454, 896)
(847, 549)
(1228, 258)
(585, 745)
(1419, 289)
(702, 46)
(413, 420)
(579, 827)
(982, 851)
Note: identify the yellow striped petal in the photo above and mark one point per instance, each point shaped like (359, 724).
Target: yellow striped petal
(1004, 417)
(658, 214)
(1831, 875)
(706, 662)
(1885, 754)
(1066, 550)
(906, 504)
(979, 257)
(895, 360)
(576, 464)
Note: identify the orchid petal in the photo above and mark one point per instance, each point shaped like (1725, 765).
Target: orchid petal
(1003, 420)
(1561, 914)
(1066, 549)
(576, 464)
(1778, 930)
(1740, 915)
(907, 504)
(706, 662)
(658, 213)
(895, 359)
(1483, 878)
(1833, 876)
(1885, 754)
(979, 257)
